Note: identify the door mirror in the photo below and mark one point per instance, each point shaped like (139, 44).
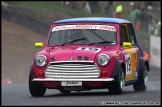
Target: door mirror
(39, 44)
(127, 44)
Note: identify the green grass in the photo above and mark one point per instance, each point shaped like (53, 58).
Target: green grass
(54, 6)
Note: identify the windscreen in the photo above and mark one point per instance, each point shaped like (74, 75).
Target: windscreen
(91, 34)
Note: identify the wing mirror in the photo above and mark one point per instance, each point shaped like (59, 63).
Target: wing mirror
(127, 44)
(39, 44)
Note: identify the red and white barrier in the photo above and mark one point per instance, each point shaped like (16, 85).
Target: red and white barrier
(6, 81)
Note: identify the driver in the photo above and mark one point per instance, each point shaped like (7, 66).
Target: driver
(77, 34)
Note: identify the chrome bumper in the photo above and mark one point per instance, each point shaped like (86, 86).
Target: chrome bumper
(96, 79)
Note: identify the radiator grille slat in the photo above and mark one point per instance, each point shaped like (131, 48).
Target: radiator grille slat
(79, 71)
(72, 70)
(81, 74)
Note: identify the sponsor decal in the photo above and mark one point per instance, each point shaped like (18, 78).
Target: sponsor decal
(71, 83)
(100, 27)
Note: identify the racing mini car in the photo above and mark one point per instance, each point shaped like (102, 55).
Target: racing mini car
(89, 53)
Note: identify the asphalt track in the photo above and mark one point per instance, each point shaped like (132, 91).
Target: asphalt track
(18, 94)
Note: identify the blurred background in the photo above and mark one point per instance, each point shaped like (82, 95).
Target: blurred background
(25, 22)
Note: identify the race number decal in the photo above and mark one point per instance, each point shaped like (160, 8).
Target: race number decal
(128, 64)
(89, 49)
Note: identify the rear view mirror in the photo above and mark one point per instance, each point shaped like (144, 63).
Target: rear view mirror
(127, 44)
(39, 44)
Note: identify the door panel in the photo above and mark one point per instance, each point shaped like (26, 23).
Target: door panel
(130, 53)
(131, 62)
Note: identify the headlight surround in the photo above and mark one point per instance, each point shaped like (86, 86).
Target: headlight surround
(103, 59)
(41, 60)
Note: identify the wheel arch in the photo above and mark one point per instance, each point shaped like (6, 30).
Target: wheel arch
(31, 73)
(147, 64)
(142, 63)
(119, 63)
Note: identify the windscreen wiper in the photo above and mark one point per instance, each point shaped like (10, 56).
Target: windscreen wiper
(102, 42)
(75, 40)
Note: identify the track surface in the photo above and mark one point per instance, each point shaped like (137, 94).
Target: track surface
(18, 51)
(18, 94)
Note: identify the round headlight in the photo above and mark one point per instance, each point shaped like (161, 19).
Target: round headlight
(41, 60)
(103, 59)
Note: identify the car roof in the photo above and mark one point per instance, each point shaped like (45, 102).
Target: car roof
(93, 19)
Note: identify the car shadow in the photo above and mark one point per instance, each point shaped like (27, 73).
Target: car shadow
(88, 93)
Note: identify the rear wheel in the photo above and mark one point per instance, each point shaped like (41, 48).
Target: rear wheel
(36, 89)
(142, 82)
(118, 84)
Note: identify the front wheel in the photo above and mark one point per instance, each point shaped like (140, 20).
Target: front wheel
(36, 89)
(118, 84)
(142, 82)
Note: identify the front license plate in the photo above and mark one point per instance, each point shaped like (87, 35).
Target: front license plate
(71, 83)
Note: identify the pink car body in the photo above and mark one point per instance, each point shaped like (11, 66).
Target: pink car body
(76, 67)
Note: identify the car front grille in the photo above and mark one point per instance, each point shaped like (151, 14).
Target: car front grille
(72, 70)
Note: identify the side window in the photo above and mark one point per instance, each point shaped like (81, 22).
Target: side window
(123, 34)
(131, 33)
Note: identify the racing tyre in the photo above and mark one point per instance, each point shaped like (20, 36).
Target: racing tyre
(36, 90)
(142, 82)
(118, 84)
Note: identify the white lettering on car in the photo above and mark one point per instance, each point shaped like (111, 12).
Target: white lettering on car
(99, 27)
(89, 49)
(71, 82)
